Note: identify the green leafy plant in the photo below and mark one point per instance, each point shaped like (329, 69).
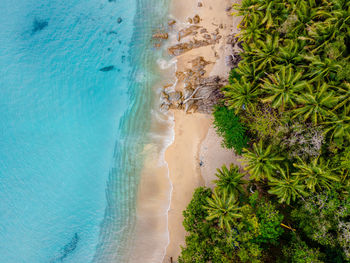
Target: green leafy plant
(228, 126)
(261, 161)
(287, 188)
(223, 207)
(230, 180)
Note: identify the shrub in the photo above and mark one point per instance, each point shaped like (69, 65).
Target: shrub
(324, 218)
(263, 121)
(229, 127)
(205, 242)
(299, 252)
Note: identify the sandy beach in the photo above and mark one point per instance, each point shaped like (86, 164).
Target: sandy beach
(186, 151)
(196, 152)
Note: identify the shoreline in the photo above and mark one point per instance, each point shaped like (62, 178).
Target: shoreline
(171, 168)
(186, 155)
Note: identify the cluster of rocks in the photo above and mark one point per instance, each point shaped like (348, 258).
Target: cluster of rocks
(208, 39)
(195, 20)
(199, 93)
(162, 34)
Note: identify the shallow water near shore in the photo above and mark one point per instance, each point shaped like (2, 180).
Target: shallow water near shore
(76, 93)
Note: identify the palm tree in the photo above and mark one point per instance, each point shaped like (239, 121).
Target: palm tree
(241, 94)
(322, 67)
(248, 71)
(317, 105)
(230, 180)
(252, 29)
(316, 174)
(261, 162)
(290, 53)
(268, 18)
(286, 188)
(339, 126)
(224, 208)
(263, 52)
(344, 98)
(283, 87)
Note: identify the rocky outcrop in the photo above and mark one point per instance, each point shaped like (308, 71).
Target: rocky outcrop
(199, 93)
(187, 31)
(181, 48)
(195, 91)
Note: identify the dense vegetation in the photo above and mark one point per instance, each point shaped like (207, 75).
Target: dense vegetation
(287, 110)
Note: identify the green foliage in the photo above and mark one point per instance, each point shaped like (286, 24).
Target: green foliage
(242, 95)
(317, 175)
(299, 252)
(230, 180)
(324, 218)
(222, 206)
(228, 126)
(317, 105)
(195, 213)
(269, 222)
(205, 242)
(283, 87)
(263, 121)
(248, 226)
(261, 161)
(291, 94)
(286, 188)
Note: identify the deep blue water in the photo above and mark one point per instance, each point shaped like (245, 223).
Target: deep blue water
(67, 181)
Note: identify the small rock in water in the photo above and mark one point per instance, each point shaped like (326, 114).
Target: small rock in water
(189, 20)
(108, 68)
(200, 4)
(39, 25)
(119, 20)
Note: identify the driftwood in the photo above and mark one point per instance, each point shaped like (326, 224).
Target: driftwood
(206, 94)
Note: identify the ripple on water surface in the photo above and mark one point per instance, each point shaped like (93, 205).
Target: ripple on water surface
(70, 128)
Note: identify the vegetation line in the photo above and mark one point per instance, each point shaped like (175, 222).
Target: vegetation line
(286, 111)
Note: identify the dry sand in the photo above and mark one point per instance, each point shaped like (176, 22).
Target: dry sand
(213, 156)
(187, 151)
(183, 163)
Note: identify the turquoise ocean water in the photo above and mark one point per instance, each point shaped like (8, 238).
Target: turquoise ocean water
(75, 103)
